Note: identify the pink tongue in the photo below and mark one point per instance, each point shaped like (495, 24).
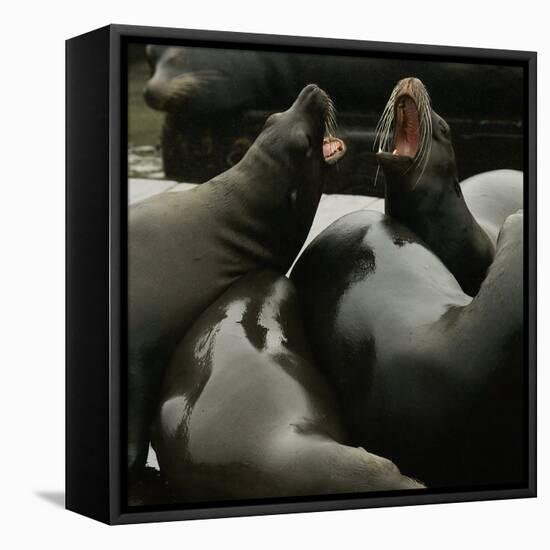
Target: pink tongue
(409, 135)
(407, 149)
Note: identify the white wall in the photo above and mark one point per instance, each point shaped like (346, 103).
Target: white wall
(32, 218)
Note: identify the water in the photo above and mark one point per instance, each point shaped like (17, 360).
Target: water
(144, 161)
(144, 124)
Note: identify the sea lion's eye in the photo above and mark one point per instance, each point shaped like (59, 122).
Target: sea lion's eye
(458, 189)
(301, 142)
(444, 130)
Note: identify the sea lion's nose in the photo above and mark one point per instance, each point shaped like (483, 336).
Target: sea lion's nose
(310, 88)
(309, 91)
(310, 96)
(155, 95)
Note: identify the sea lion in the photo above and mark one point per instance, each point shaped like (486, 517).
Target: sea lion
(427, 376)
(244, 413)
(211, 82)
(422, 188)
(185, 249)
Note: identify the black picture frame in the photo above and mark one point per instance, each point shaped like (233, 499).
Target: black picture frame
(96, 209)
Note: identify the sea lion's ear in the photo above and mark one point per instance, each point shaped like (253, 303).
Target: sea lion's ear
(293, 198)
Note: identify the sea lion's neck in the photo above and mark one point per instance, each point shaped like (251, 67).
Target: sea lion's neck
(439, 215)
(255, 216)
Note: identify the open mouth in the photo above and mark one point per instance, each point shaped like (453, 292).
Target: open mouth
(404, 131)
(407, 128)
(333, 149)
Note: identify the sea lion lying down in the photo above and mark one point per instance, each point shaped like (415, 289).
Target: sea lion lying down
(245, 413)
(426, 376)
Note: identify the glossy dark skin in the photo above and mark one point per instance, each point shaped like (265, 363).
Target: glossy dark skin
(432, 204)
(244, 412)
(428, 376)
(185, 249)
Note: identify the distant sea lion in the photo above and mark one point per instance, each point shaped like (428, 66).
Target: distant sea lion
(244, 412)
(203, 82)
(185, 249)
(422, 187)
(427, 376)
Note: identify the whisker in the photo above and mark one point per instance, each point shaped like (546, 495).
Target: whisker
(376, 175)
(183, 84)
(330, 117)
(205, 73)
